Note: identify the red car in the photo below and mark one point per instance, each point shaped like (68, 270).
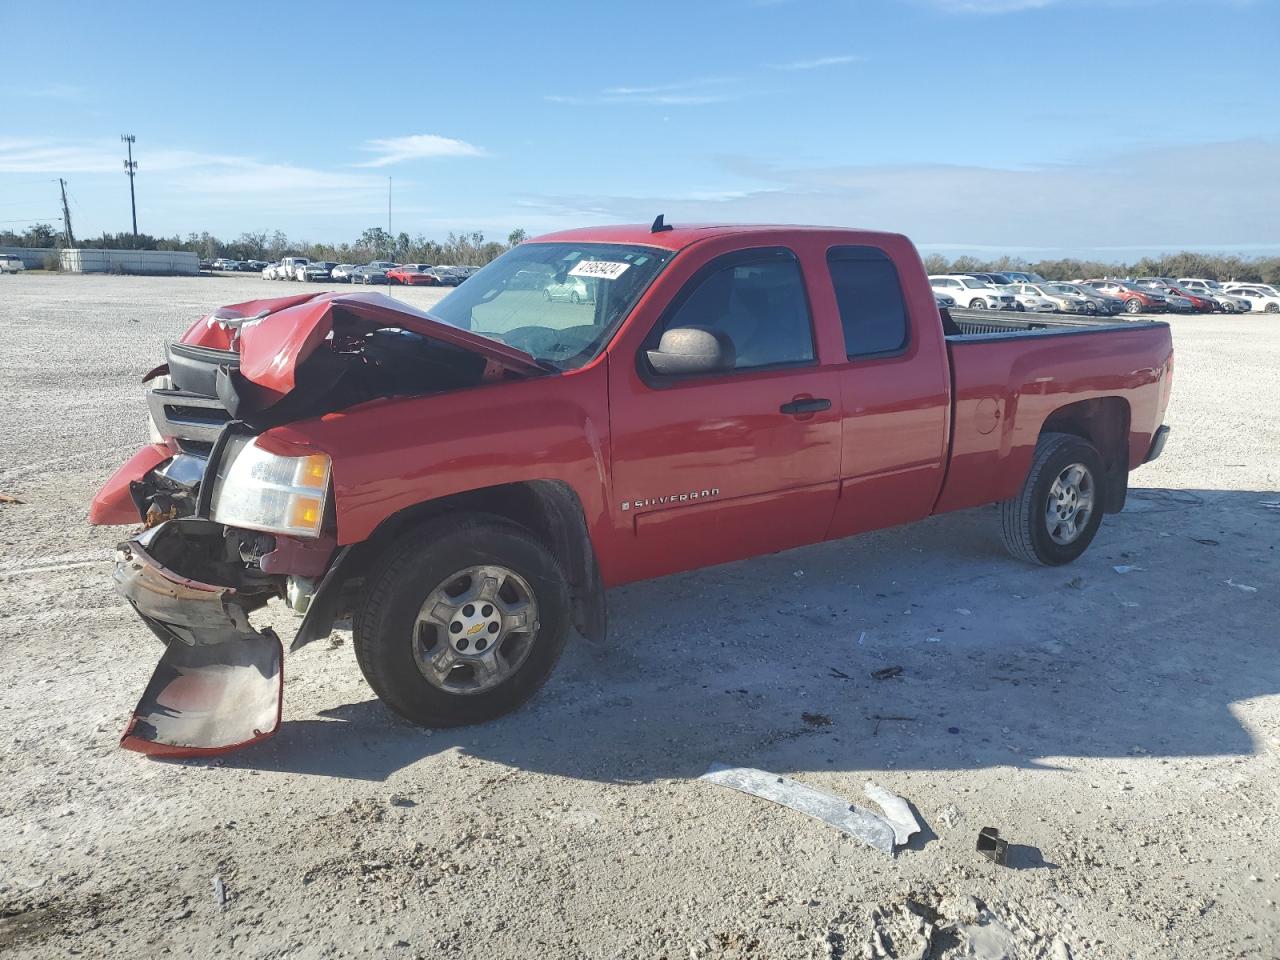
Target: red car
(467, 485)
(1136, 299)
(1201, 304)
(414, 274)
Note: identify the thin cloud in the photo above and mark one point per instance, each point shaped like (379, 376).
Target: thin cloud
(694, 92)
(421, 146)
(817, 63)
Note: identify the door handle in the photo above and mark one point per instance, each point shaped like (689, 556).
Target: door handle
(809, 405)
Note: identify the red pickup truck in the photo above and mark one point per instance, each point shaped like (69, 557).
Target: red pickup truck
(465, 484)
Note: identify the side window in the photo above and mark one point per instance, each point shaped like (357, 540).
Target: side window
(757, 298)
(873, 313)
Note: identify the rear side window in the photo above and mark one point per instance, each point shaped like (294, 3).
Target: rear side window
(873, 313)
(757, 298)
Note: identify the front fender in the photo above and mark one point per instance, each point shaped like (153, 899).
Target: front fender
(114, 505)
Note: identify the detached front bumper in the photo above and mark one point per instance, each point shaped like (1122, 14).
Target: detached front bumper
(219, 685)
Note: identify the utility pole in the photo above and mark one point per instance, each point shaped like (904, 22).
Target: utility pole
(131, 168)
(69, 239)
(390, 239)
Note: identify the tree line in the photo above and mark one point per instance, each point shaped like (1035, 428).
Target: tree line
(475, 250)
(461, 249)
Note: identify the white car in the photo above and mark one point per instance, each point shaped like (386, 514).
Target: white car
(1063, 299)
(1027, 300)
(342, 272)
(1262, 298)
(9, 263)
(972, 293)
(292, 268)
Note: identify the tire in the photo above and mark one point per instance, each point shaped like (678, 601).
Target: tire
(1273, 308)
(1133, 306)
(1090, 308)
(977, 304)
(546, 295)
(1025, 519)
(392, 639)
(573, 297)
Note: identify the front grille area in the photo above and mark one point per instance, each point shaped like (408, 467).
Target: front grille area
(187, 416)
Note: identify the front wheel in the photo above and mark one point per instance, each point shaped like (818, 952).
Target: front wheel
(1133, 306)
(1273, 308)
(977, 304)
(1055, 516)
(463, 622)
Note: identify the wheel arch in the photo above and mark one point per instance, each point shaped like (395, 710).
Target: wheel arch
(1104, 422)
(549, 509)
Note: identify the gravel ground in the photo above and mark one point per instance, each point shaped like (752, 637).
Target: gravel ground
(1122, 730)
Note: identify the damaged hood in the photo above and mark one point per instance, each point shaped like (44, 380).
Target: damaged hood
(274, 337)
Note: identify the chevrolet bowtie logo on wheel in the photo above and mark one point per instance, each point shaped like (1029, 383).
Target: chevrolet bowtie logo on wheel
(670, 499)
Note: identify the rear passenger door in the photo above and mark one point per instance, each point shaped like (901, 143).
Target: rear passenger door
(895, 392)
(719, 467)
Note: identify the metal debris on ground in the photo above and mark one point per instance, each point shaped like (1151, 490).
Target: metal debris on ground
(1076, 583)
(816, 719)
(839, 674)
(219, 892)
(9, 498)
(992, 847)
(1127, 568)
(886, 673)
(849, 818)
(896, 811)
(1243, 587)
(1207, 541)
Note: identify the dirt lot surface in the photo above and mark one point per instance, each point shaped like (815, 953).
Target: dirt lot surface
(1121, 729)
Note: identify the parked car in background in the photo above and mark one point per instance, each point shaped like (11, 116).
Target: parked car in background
(1136, 299)
(447, 276)
(1018, 276)
(342, 272)
(995, 279)
(318, 271)
(290, 268)
(944, 300)
(269, 271)
(467, 271)
(1261, 298)
(1179, 301)
(1235, 285)
(252, 266)
(373, 272)
(11, 263)
(414, 275)
(1026, 300)
(1096, 302)
(572, 289)
(1063, 300)
(972, 293)
(1227, 301)
(224, 263)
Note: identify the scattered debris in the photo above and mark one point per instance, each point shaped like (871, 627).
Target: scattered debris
(932, 639)
(963, 612)
(1270, 504)
(1207, 541)
(9, 498)
(839, 674)
(949, 816)
(886, 673)
(877, 717)
(837, 812)
(953, 729)
(1243, 587)
(1076, 583)
(1127, 568)
(219, 892)
(896, 811)
(1128, 603)
(862, 638)
(816, 719)
(991, 846)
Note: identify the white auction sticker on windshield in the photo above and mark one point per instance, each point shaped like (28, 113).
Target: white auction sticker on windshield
(600, 269)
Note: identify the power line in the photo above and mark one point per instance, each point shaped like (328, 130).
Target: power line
(36, 220)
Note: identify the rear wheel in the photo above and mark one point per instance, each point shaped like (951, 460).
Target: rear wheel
(1090, 307)
(1055, 516)
(1133, 306)
(1273, 308)
(463, 622)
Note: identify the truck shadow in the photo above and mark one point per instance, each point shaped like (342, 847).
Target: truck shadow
(773, 662)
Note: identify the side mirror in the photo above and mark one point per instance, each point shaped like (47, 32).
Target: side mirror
(692, 350)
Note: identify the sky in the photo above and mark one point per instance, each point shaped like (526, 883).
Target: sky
(1039, 128)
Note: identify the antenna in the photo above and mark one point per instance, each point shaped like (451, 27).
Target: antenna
(659, 226)
(131, 168)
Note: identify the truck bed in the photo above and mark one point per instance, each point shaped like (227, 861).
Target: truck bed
(1014, 376)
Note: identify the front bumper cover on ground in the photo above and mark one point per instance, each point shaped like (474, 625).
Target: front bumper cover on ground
(219, 685)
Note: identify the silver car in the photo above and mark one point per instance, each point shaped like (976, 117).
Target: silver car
(342, 272)
(9, 263)
(573, 289)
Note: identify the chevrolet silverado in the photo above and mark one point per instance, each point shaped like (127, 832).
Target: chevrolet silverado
(466, 483)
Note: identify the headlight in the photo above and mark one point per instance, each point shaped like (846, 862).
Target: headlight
(265, 491)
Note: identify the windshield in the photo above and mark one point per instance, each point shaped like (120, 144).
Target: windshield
(1064, 288)
(559, 302)
(974, 284)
